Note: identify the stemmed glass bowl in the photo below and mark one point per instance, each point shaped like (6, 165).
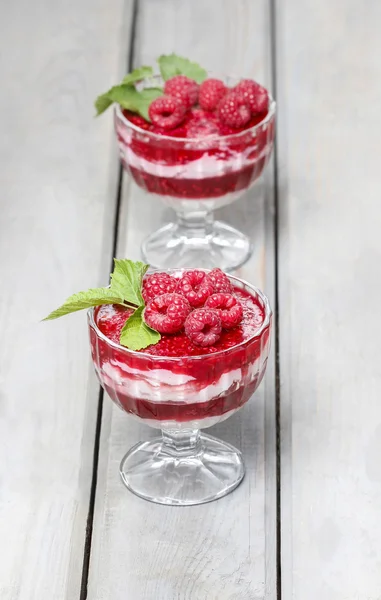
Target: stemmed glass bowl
(180, 396)
(195, 176)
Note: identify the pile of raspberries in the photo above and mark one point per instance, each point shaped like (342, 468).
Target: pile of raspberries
(202, 304)
(234, 107)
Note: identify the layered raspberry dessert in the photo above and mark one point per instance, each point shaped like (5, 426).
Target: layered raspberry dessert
(203, 145)
(209, 360)
(179, 350)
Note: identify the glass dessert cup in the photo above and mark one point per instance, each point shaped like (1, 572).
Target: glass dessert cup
(180, 396)
(195, 176)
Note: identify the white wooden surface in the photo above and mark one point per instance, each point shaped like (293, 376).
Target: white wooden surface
(58, 173)
(329, 93)
(224, 550)
(57, 198)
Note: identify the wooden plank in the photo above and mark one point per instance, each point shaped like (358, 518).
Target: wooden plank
(226, 549)
(57, 205)
(330, 132)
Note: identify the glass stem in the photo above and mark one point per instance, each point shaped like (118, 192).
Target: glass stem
(196, 224)
(182, 443)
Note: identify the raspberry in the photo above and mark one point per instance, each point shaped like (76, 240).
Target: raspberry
(182, 88)
(196, 287)
(234, 111)
(157, 284)
(200, 128)
(166, 112)
(255, 96)
(210, 94)
(201, 123)
(203, 326)
(228, 307)
(167, 313)
(220, 281)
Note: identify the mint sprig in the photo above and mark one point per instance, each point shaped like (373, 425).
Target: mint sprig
(120, 92)
(171, 65)
(125, 289)
(137, 75)
(129, 98)
(136, 334)
(126, 280)
(81, 300)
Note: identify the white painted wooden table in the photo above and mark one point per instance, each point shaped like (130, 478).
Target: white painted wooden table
(305, 524)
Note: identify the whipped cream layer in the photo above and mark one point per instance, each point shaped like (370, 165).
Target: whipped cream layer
(164, 386)
(204, 167)
(161, 385)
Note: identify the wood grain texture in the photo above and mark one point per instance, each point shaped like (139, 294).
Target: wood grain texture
(224, 550)
(330, 249)
(57, 199)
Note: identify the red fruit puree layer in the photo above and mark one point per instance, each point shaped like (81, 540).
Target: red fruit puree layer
(111, 319)
(239, 159)
(241, 352)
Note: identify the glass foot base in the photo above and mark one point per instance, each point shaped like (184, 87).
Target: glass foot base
(152, 472)
(175, 246)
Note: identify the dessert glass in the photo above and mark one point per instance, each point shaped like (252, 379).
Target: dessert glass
(195, 176)
(180, 396)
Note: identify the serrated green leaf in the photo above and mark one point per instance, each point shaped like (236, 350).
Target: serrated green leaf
(102, 103)
(135, 334)
(126, 280)
(138, 102)
(105, 100)
(146, 96)
(129, 98)
(125, 95)
(81, 300)
(138, 75)
(171, 65)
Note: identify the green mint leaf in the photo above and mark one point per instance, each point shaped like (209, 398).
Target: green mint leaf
(146, 96)
(171, 65)
(129, 98)
(138, 75)
(102, 103)
(125, 95)
(126, 280)
(93, 297)
(135, 334)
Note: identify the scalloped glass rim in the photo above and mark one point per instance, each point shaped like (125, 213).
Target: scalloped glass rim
(258, 333)
(230, 136)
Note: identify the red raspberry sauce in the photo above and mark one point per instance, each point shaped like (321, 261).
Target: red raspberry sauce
(111, 319)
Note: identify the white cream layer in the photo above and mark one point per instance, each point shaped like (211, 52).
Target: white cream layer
(164, 386)
(161, 385)
(201, 168)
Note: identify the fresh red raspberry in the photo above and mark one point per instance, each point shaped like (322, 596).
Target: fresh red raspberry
(201, 123)
(228, 307)
(234, 111)
(201, 128)
(183, 88)
(254, 95)
(211, 92)
(166, 112)
(157, 284)
(203, 326)
(220, 281)
(167, 313)
(196, 287)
